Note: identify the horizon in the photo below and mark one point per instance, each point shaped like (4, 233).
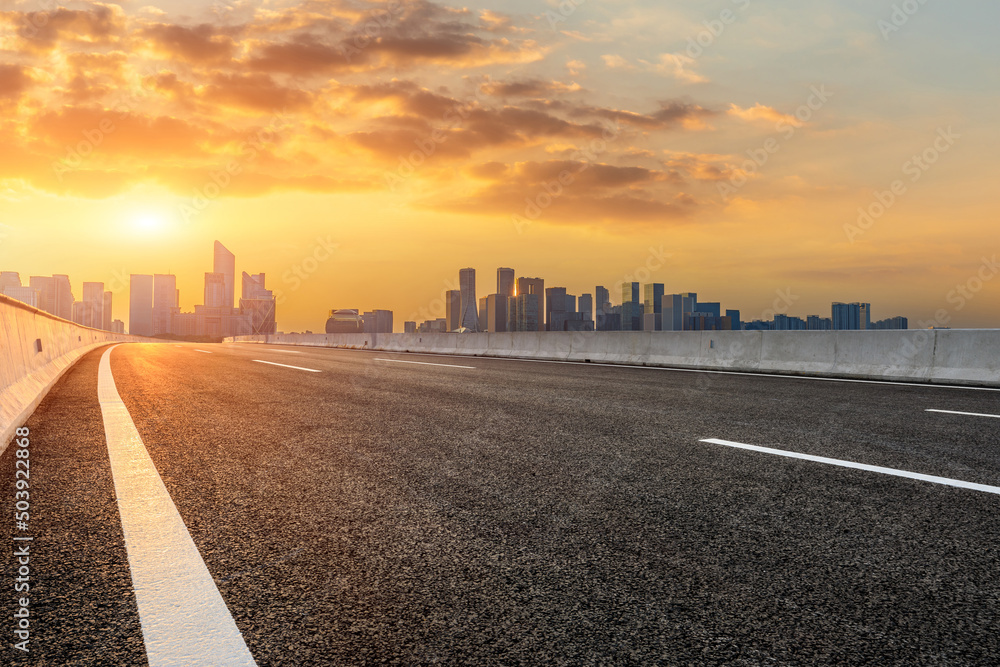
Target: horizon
(758, 150)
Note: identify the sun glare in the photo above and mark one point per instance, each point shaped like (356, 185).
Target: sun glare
(148, 223)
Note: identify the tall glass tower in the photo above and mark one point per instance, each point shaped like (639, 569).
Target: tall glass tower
(225, 263)
(470, 311)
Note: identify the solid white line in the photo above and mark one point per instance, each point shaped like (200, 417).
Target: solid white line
(965, 414)
(423, 363)
(860, 466)
(184, 619)
(203, 351)
(286, 351)
(298, 368)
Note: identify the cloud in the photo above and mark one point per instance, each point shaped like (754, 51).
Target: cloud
(14, 82)
(678, 66)
(761, 113)
(254, 92)
(614, 61)
(202, 44)
(42, 31)
(528, 88)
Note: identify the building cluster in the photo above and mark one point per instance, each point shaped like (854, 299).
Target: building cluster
(352, 320)
(154, 304)
(54, 295)
(525, 304)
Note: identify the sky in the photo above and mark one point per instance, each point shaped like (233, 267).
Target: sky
(774, 155)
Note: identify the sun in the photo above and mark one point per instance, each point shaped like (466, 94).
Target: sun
(148, 223)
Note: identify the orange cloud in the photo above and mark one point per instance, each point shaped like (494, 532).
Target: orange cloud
(759, 112)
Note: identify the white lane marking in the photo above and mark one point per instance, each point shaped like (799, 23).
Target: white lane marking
(860, 466)
(298, 368)
(602, 364)
(424, 363)
(184, 619)
(964, 414)
(203, 351)
(286, 351)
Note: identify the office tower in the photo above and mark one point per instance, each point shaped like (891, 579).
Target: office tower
(631, 307)
(9, 279)
(534, 286)
(734, 319)
(93, 305)
(409, 327)
(652, 307)
(713, 308)
(140, 305)
(570, 303)
(555, 302)
(505, 282)
(586, 307)
(378, 321)
(225, 263)
(453, 309)
(483, 301)
(164, 302)
(117, 326)
(55, 295)
(257, 306)
(76, 315)
(602, 306)
(865, 319)
(524, 312)
(848, 316)
(495, 313)
(215, 290)
(470, 312)
(108, 318)
(26, 295)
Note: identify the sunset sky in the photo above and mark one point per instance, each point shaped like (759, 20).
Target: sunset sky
(587, 142)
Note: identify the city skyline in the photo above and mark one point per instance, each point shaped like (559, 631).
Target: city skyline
(754, 148)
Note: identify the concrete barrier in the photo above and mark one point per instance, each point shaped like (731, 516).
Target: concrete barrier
(35, 350)
(955, 357)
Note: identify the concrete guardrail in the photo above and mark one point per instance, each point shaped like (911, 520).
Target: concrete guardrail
(36, 349)
(954, 357)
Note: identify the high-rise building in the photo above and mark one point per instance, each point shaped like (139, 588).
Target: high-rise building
(470, 312)
(117, 326)
(586, 307)
(631, 307)
(602, 307)
(409, 327)
(453, 309)
(27, 295)
(524, 312)
(652, 307)
(225, 263)
(505, 282)
(555, 302)
(215, 290)
(534, 286)
(164, 302)
(495, 313)
(378, 321)
(55, 295)
(258, 306)
(108, 320)
(93, 305)
(140, 307)
(851, 316)
(9, 279)
(734, 318)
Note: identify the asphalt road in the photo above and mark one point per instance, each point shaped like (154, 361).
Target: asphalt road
(514, 512)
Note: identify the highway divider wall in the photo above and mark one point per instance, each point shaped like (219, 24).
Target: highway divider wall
(957, 357)
(36, 348)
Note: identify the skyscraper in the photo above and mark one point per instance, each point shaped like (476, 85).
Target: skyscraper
(55, 295)
(470, 312)
(92, 313)
(505, 282)
(586, 307)
(258, 304)
(495, 313)
(602, 306)
(164, 302)
(851, 316)
(13, 279)
(631, 307)
(555, 302)
(453, 309)
(225, 263)
(534, 286)
(107, 321)
(653, 307)
(215, 290)
(140, 307)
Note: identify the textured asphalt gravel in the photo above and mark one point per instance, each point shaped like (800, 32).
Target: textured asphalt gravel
(528, 513)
